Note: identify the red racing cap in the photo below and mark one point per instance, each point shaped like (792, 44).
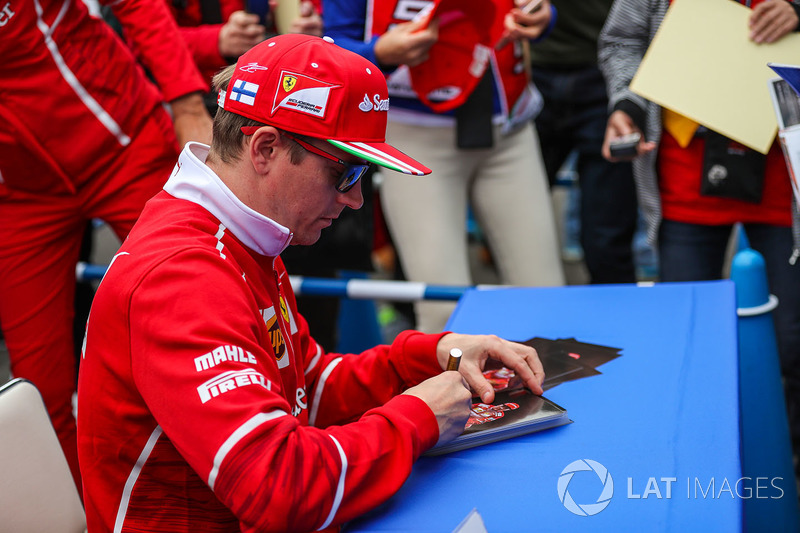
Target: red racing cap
(310, 86)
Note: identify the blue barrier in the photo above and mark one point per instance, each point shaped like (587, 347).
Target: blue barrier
(89, 272)
(358, 319)
(356, 289)
(357, 325)
(765, 441)
(363, 289)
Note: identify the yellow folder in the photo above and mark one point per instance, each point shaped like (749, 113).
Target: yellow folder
(703, 65)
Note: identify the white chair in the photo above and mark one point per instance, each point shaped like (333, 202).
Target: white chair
(37, 493)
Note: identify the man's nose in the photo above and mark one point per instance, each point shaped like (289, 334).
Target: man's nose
(353, 198)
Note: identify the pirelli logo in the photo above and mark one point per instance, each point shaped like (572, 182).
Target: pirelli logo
(228, 381)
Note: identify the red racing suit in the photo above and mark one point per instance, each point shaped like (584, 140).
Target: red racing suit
(83, 134)
(203, 402)
(66, 71)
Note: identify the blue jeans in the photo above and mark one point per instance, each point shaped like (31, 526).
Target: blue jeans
(574, 117)
(695, 252)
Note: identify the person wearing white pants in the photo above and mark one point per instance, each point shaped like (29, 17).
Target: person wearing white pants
(507, 188)
(474, 127)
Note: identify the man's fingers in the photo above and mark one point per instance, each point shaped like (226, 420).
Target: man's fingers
(418, 59)
(478, 349)
(771, 20)
(243, 18)
(306, 9)
(773, 33)
(523, 360)
(530, 369)
(482, 388)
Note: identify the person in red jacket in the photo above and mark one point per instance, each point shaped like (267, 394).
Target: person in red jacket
(83, 135)
(204, 403)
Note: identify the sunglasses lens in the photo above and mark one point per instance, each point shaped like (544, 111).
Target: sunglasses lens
(350, 176)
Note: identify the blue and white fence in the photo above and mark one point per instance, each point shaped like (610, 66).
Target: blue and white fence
(356, 289)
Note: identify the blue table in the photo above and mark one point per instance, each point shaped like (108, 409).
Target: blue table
(663, 419)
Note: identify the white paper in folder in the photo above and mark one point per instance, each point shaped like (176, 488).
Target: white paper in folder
(786, 102)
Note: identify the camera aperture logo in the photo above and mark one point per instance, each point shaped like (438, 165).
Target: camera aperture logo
(585, 509)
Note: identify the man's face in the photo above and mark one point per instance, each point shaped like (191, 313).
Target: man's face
(303, 197)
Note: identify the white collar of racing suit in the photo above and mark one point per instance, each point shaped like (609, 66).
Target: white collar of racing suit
(192, 180)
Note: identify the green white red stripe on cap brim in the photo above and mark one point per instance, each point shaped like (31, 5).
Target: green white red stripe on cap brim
(384, 155)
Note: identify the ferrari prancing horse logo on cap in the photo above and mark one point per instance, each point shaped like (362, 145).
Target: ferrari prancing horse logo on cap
(298, 92)
(289, 83)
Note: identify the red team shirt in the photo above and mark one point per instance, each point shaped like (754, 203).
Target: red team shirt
(57, 77)
(681, 200)
(83, 134)
(202, 396)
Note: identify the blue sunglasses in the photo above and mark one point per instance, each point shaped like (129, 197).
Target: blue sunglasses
(352, 171)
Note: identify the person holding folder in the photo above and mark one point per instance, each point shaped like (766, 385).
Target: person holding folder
(694, 184)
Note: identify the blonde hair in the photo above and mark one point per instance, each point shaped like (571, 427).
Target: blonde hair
(228, 139)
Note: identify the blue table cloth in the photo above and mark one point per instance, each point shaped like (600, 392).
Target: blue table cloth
(660, 424)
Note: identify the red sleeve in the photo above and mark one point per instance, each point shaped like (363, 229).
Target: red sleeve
(203, 43)
(203, 39)
(228, 7)
(272, 472)
(158, 44)
(371, 378)
(342, 386)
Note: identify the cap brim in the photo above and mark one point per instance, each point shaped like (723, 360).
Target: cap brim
(384, 155)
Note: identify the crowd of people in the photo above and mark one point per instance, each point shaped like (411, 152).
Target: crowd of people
(208, 391)
(691, 221)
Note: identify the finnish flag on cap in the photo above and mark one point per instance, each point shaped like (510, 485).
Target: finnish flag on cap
(244, 92)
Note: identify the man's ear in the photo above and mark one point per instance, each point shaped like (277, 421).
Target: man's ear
(262, 148)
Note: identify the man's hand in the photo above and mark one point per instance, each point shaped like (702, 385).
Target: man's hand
(240, 34)
(771, 20)
(449, 400)
(477, 349)
(521, 25)
(309, 22)
(191, 119)
(406, 44)
(619, 124)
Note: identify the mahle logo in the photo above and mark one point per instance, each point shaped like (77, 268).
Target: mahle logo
(585, 509)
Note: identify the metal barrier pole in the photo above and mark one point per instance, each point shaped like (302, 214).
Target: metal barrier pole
(357, 289)
(368, 289)
(88, 272)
